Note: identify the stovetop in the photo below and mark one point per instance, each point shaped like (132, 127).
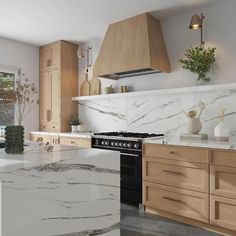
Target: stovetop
(124, 135)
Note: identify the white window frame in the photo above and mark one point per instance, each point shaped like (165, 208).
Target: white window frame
(11, 70)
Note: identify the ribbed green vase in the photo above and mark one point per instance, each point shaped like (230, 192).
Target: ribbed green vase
(14, 139)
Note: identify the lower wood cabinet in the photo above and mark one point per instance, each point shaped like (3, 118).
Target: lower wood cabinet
(192, 176)
(195, 186)
(58, 139)
(181, 202)
(78, 142)
(223, 212)
(223, 181)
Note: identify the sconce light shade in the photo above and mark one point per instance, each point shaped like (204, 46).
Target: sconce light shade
(196, 22)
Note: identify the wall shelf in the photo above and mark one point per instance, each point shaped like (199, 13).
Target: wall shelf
(203, 88)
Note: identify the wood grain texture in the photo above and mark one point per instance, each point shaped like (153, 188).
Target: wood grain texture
(132, 44)
(178, 201)
(85, 88)
(95, 86)
(223, 212)
(78, 142)
(192, 176)
(198, 155)
(58, 84)
(223, 181)
(223, 157)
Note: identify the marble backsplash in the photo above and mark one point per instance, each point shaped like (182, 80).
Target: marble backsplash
(160, 113)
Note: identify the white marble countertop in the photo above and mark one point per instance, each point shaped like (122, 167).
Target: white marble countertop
(175, 140)
(65, 134)
(66, 192)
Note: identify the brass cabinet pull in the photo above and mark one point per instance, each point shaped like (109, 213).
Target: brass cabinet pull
(72, 142)
(172, 172)
(171, 199)
(53, 127)
(49, 115)
(171, 152)
(49, 62)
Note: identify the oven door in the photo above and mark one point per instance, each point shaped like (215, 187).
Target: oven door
(131, 177)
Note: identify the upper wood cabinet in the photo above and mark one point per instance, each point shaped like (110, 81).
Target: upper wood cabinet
(50, 56)
(58, 84)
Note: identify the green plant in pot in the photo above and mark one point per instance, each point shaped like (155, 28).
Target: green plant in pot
(24, 98)
(75, 123)
(199, 60)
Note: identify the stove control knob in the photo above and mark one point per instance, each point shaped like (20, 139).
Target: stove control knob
(106, 143)
(103, 142)
(120, 144)
(116, 144)
(124, 144)
(112, 143)
(136, 146)
(129, 145)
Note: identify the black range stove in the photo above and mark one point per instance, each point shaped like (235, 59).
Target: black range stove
(130, 147)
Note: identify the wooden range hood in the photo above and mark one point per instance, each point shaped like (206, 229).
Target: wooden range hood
(132, 47)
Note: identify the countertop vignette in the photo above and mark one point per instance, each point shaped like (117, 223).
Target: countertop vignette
(66, 192)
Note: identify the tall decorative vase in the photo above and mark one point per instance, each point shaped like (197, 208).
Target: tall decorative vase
(14, 139)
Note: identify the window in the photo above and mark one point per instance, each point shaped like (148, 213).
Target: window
(7, 107)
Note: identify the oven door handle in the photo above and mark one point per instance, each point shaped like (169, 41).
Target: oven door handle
(129, 154)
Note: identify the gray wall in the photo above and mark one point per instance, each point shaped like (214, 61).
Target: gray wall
(25, 56)
(218, 32)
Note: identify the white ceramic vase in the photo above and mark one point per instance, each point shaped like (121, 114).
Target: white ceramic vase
(222, 132)
(74, 128)
(194, 125)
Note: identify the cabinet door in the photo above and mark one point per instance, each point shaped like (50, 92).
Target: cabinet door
(55, 95)
(223, 212)
(50, 96)
(45, 97)
(50, 57)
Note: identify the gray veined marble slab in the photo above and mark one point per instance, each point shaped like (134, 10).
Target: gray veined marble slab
(65, 193)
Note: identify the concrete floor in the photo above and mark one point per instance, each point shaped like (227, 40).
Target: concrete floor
(135, 222)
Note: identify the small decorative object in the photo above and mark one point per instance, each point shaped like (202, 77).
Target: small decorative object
(194, 125)
(108, 90)
(75, 123)
(222, 132)
(124, 89)
(199, 61)
(46, 146)
(24, 96)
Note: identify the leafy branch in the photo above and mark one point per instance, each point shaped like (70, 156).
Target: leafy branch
(199, 60)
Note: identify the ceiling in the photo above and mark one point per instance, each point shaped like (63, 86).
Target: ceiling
(42, 21)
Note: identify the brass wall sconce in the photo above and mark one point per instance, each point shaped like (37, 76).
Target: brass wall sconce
(197, 23)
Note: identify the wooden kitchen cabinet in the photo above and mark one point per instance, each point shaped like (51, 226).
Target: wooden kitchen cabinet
(78, 142)
(52, 139)
(181, 202)
(193, 185)
(50, 56)
(58, 84)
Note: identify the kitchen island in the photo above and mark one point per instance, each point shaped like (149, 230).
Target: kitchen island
(66, 192)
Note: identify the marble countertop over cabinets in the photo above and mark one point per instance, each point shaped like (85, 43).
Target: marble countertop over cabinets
(174, 140)
(66, 192)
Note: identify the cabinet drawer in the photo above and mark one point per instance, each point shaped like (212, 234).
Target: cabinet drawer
(181, 202)
(223, 212)
(223, 181)
(35, 137)
(50, 127)
(224, 158)
(197, 155)
(79, 142)
(193, 176)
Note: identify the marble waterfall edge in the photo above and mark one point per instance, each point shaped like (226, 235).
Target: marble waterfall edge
(64, 193)
(161, 112)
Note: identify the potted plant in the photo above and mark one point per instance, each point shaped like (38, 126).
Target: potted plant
(24, 98)
(199, 61)
(75, 123)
